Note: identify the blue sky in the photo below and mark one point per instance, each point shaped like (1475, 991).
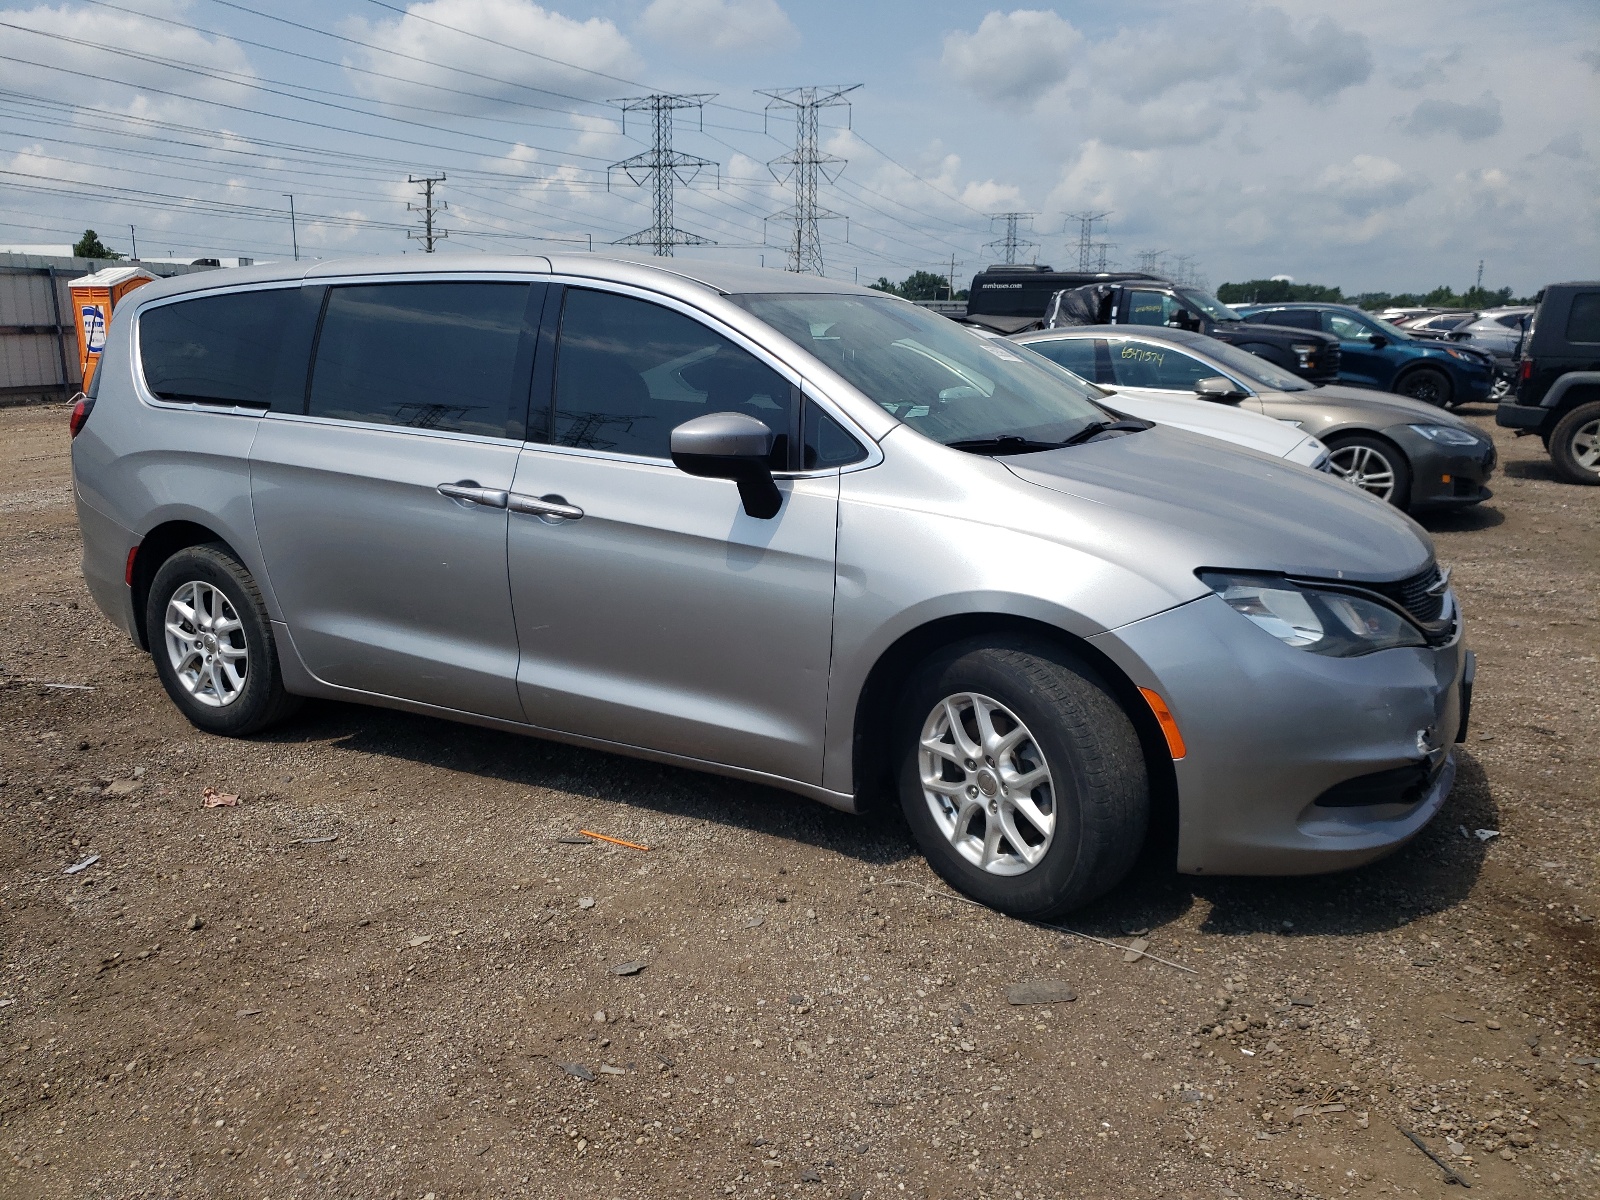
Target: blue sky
(1372, 145)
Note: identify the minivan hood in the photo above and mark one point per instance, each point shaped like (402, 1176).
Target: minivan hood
(1202, 503)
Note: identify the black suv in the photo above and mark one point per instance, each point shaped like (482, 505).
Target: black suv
(1010, 299)
(1558, 381)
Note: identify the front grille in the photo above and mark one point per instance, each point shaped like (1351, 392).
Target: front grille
(1417, 595)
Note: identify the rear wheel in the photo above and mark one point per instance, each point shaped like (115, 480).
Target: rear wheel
(212, 642)
(1020, 776)
(1575, 444)
(1428, 384)
(1373, 465)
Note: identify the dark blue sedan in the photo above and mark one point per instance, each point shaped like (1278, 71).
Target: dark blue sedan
(1376, 354)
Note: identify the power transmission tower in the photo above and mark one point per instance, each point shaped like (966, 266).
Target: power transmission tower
(1185, 274)
(1086, 222)
(1150, 261)
(427, 235)
(805, 165)
(1101, 250)
(663, 166)
(1009, 242)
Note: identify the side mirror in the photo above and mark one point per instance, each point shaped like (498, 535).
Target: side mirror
(1379, 341)
(734, 446)
(1217, 387)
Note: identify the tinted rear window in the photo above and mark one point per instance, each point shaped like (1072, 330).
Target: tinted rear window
(223, 349)
(448, 356)
(1583, 322)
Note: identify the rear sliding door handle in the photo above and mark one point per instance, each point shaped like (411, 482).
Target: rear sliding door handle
(473, 494)
(549, 508)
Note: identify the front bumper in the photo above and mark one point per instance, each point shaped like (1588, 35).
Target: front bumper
(1445, 475)
(1270, 728)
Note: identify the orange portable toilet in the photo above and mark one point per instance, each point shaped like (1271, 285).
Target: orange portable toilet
(93, 299)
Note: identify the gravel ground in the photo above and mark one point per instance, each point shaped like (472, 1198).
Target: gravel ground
(395, 969)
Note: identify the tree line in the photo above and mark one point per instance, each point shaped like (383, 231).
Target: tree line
(1280, 291)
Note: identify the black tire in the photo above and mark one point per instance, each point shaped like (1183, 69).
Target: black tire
(1575, 442)
(1428, 384)
(1099, 791)
(1349, 453)
(259, 700)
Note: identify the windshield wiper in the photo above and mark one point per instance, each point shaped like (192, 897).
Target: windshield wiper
(1095, 428)
(1008, 443)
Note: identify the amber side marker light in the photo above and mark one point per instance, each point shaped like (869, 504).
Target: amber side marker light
(1164, 718)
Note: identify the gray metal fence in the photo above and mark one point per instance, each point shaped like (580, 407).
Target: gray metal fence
(38, 341)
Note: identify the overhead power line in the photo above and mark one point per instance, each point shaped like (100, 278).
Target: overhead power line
(664, 168)
(804, 166)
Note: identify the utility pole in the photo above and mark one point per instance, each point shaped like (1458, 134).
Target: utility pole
(294, 232)
(1478, 288)
(133, 236)
(663, 166)
(951, 278)
(805, 165)
(1086, 222)
(1009, 242)
(427, 235)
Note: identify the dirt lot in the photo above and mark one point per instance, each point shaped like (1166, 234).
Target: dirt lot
(384, 973)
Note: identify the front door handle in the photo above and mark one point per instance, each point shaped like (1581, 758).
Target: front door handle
(547, 508)
(473, 494)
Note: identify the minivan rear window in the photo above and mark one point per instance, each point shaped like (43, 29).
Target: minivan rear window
(223, 349)
(455, 357)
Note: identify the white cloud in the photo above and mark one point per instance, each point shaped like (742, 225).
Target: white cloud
(1319, 64)
(1013, 57)
(1470, 122)
(574, 57)
(719, 26)
(1367, 183)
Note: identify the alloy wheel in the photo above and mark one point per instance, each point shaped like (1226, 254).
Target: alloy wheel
(987, 783)
(206, 644)
(1586, 446)
(1366, 468)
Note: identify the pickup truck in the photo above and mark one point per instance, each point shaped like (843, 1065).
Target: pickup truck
(1558, 381)
(1010, 300)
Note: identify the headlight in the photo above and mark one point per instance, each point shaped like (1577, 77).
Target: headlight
(1323, 622)
(1463, 355)
(1304, 352)
(1448, 435)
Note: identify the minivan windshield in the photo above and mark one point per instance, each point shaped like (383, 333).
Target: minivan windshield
(932, 374)
(1209, 304)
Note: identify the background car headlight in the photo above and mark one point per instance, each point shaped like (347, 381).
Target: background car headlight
(1303, 353)
(1463, 355)
(1323, 622)
(1448, 435)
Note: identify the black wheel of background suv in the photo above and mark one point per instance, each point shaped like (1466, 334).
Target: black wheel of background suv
(1428, 384)
(212, 642)
(1575, 444)
(1020, 776)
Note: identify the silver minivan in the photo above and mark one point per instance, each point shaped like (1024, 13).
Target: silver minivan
(775, 527)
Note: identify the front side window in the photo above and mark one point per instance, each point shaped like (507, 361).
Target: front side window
(1253, 369)
(1345, 327)
(448, 356)
(930, 373)
(629, 371)
(1209, 304)
(222, 349)
(1154, 365)
(1151, 308)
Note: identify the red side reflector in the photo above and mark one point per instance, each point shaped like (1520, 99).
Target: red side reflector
(1169, 726)
(127, 574)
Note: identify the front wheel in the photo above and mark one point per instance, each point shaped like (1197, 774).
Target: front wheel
(1374, 466)
(1427, 384)
(212, 642)
(1021, 777)
(1575, 444)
